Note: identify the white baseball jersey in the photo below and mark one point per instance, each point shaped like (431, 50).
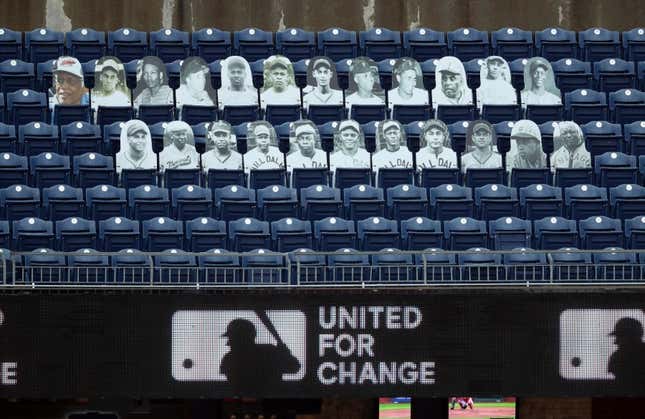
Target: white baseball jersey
(298, 160)
(315, 97)
(257, 160)
(428, 159)
(124, 161)
(469, 161)
(289, 96)
(361, 159)
(212, 160)
(173, 158)
(419, 97)
(402, 159)
(228, 97)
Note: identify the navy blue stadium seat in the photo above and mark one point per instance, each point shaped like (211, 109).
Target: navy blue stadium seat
(463, 233)
(234, 202)
(75, 233)
(418, 233)
(85, 44)
(48, 169)
(219, 266)
(523, 265)
(32, 233)
(307, 267)
(218, 178)
(337, 43)
(279, 114)
(169, 44)
(362, 201)
(598, 232)
(436, 265)
(105, 201)
(175, 178)
(248, 233)
(132, 267)
(390, 265)
(25, 106)
(333, 233)
(204, 233)
(19, 201)
(236, 115)
(131, 68)
(112, 137)
(173, 70)
(261, 178)
(117, 233)
(376, 233)
(38, 137)
(43, 266)
(602, 137)
(613, 74)
(539, 201)
(634, 135)
(507, 233)
(473, 70)
(544, 113)
(342, 72)
(585, 105)
(253, 44)
(211, 44)
(81, 137)
(599, 43)
(572, 74)
(433, 177)
(8, 138)
(570, 264)
(405, 201)
(424, 43)
(626, 106)
(14, 170)
(194, 114)
(468, 43)
(554, 233)
(128, 44)
(45, 75)
(380, 43)
(634, 44)
(277, 202)
(480, 265)
(495, 201)
(512, 43)
(451, 114)
(10, 44)
(153, 114)
(320, 201)
(321, 114)
(476, 177)
(92, 169)
(517, 73)
(148, 201)
(43, 44)
(295, 44)
(306, 177)
(555, 44)
(635, 232)
(390, 177)
(346, 266)
(428, 68)
(583, 201)
(174, 266)
(450, 201)
(613, 169)
(627, 201)
(89, 266)
(289, 234)
(161, 233)
(62, 201)
(191, 201)
(132, 178)
(106, 115)
(614, 265)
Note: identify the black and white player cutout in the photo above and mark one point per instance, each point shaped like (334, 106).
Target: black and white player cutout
(364, 84)
(252, 350)
(178, 147)
(152, 83)
(237, 84)
(435, 150)
(136, 147)
(110, 88)
(221, 148)
(195, 87)
(279, 86)
(322, 84)
(526, 147)
(407, 84)
(597, 344)
(451, 83)
(306, 150)
(481, 147)
(570, 151)
(391, 145)
(495, 83)
(539, 84)
(263, 152)
(349, 147)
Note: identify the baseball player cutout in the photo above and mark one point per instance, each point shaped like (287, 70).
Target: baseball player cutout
(364, 84)
(569, 145)
(152, 83)
(349, 147)
(407, 84)
(136, 147)
(263, 151)
(436, 148)
(481, 144)
(526, 147)
(495, 83)
(322, 83)
(179, 147)
(539, 84)
(451, 83)
(305, 147)
(221, 148)
(110, 87)
(237, 84)
(393, 151)
(68, 87)
(195, 87)
(279, 83)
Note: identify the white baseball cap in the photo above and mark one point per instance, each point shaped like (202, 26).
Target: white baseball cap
(69, 65)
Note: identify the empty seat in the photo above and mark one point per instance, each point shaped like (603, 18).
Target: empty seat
(38, 137)
(554, 233)
(602, 137)
(62, 201)
(585, 105)
(128, 44)
(25, 106)
(463, 233)
(613, 169)
(10, 44)
(450, 201)
(85, 44)
(289, 234)
(392, 265)
(405, 201)
(211, 44)
(43, 44)
(495, 201)
(247, 234)
(92, 169)
(81, 137)
(253, 44)
(296, 44)
(347, 265)
(635, 232)
(570, 264)
(320, 201)
(44, 266)
(479, 264)
(174, 266)
(512, 43)
(613, 74)
(191, 201)
(418, 233)
(523, 265)
(204, 233)
(380, 43)
(234, 202)
(615, 265)
(169, 44)
(19, 201)
(539, 201)
(32, 233)
(598, 232)
(14, 170)
(583, 201)
(16, 75)
(627, 201)
(634, 135)
(161, 233)
(105, 201)
(599, 43)
(626, 106)
(89, 266)
(556, 43)
(75, 233)
(117, 233)
(337, 43)
(219, 266)
(424, 43)
(362, 201)
(376, 233)
(48, 169)
(8, 138)
(436, 265)
(634, 44)
(333, 233)
(148, 201)
(572, 74)
(132, 267)
(468, 43)
(277, 202)
(507, 233)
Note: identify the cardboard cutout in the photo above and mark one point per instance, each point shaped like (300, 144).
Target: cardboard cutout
(306, 151)
(481, 147)
(221, 148)
(237, 84)
(110, 87)
(136, 147)
(539, 84)
(495, 83)
(364, 84)
(407, 84)
(392, 147)
(526, 147)
(569, 147)
(195, 87)
(263, 152)
(451, 83)
(178, 147)
(349, 146)
(322, 83)
(68, 86)
(435, 147)
(152, 83)
(279, 83)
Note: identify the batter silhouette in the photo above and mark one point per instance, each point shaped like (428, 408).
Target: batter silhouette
(628, 362)
(250, 367)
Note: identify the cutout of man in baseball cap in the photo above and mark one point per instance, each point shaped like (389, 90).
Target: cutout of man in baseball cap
(495, 83)
(570, 149)
(237, 83)
(322, 83)
(481, 141)
(394, 152)
(364, 84)
(220, 150)
(451, 83)
(526, 147)
(539, 84)
(110, 84)
(308, 153)
(279, 83)
(68, 83)
(349, 147)
(407, 83)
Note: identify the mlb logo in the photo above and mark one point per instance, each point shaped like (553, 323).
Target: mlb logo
(602, 344)
(239, 346)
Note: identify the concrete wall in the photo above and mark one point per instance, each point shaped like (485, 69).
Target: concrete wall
(274, 15)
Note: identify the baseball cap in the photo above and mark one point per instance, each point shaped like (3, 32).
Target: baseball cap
(494, 58)
(322, 62)
(69, 65)
(450, 65)
(110, 63)
(363, 66)
(349, 123)
(305, 128)
(177, 126)
(235, 61)
(477, 126)
(406, 64)
(526, 129)
(220, 126)
(135, 126)
(539, 62)
(435, 123)
(279, 61)
(390, 124)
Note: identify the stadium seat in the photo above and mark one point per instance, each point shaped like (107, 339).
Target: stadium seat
(613, 169)
(289, 234)
(418, 233)
(508, 233)
(347, 266)
(523, 265)
(248, 233)
(117, 233)
(428, 68)
(320, 201)
(450, 201)
(583, 201)
(437, 266)
(635, 232)
(473, 71)
(14, 170)
(390, 177)
(512, 43)
(539, 201)
(598, 232)
(175, 267)
(305, 177)
(544, 113)
(175, 178)
(295, 44)
(19, 201)
(634, 44)
(62, 201)
(105, 201)
(307, 267)
(43, 44)
(626, 106)
(300, 68)
(390, 265)
(585, 105)
(131, 68)
(480, 265)
(204, 233)
(153, 114)
(634, 135)
(173, 70)
(517, 73)
(555, 232)
(89, 70)
(277, 202)
(253, 44)
(92, 169)
(376, 233)
(321, 114)
(169, 44)
(262, 178)
(570, 264)
(32, 233)
(8, 138)
(433, 177)
(234, 202)
(614, 265)
(25, 106)
(10, 44)
(627, 201)
(424, 43)
(475, 178)
(463, 233)
(161, 233)
(602, 137)
(191, 201)
(211, 44)
(405, 201)
(380, 43)
(128, 44)
(81, 137)
(43, 266)
(333, 233)
(495, 201)
(85, 44)
(132, 267)
(45, 75)
(112, 137)
(219, 266)
(468, 43)
(38, 137)
(75, 233)
(572, 74)
(599, 43)
(337, 43)
(362, 201)
(133, 178)
(106, 115)
(89, 266)
(148, 201)
(613, 74)
(48, 169)
(555, 44)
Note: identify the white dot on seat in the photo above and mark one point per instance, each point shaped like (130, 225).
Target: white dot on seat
(643, 220)
(43, 250)
(449, 188)
(510, 124)
(275, 189)
(173, 251)
(493, 188)
(554, 31)
(233, 188)
(612, 62)
(598, 124)
(18, 188)
(598, 220)
(361, 188)
(121, 125)
(252, 31)
(146, 188)
(524, 61)
(92, 156)
(129, 251)
(628, 187)
(289, 221)
(247, 221)
(48, 156)
(480, 62)
(37, 125)
(509, 31)
(584, 93)
(204, 220)
(126, 31)
(346, 250)
(392, 62)
(161, 221)
(435, 62)
(554, 124)
(419, 220)
(539, 187)
(217, 251)
(190, 188)
(104, 188)
(378, 31)
(463, 221)
(303, 250)
(464, 124)
(422, 31)
(553, 220)
(628, 92)
(334, 31)
(293, 32)
(596, 31)
(83, 32)
(389, 249)
(477, 249)
(79, 125)
(25, 93)
(1, 31)
(319, 188)
(466, 31)
(117, 220)
(420, 124)
(568, 61)
(86, 251)
(332, 220)
(307, 61)
(261, 251)
(375, 220)
(334, 124)
(641, 31)
(509, 220)
(523, 249)
(31, 221)
(584, 188)
(43, 31)
(167, 32)
(642, 124)
(74, 220)
(614, 155)
(6, 156)
(405, 188)
(61, 188)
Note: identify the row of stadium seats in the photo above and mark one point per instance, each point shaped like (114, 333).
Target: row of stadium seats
(378, 43)
(329, 234)
(317, 202)
(303, 267)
